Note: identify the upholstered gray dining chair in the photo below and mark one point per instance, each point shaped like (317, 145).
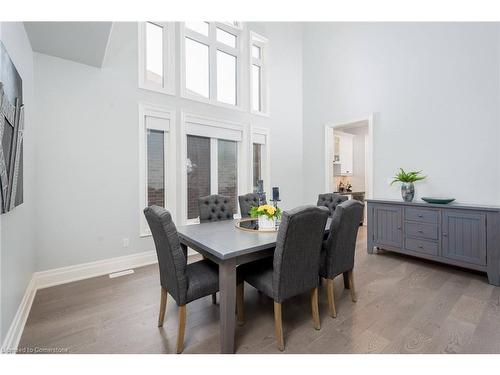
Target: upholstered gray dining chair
(184, 282)
(294, 268)
(247, 201)
(337, 254)
(215, 208)
(330, 201)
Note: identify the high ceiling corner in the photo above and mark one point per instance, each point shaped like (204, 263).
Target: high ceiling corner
(83, 42)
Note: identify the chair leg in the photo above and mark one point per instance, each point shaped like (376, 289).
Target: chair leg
(240, 309)
(278, 326)
(331, 298)
(214, 298)
(163, 306)
(346, 280)
(182, 329)
(315, 308)
(351, 286)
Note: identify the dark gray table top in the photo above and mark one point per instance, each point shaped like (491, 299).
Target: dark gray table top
(224, 241)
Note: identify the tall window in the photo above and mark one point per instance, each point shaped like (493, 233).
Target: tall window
(260, 158)
(156, 56)
(213, 157)
(257, 164)
(157, 159)
(212, 62)
(258, 73)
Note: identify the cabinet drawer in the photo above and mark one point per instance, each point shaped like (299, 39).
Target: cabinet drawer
(421, 246)
(421, 230)
(423, 215)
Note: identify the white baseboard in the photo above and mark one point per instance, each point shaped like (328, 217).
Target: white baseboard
(16, 328)
(63, 275)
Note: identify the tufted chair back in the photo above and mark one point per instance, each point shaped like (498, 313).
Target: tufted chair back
(171, 258)
(248, 201)
(339, 248)
(330, 201)
(297, 254)
(215, 208)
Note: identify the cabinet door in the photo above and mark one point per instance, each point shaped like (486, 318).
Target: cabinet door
(464, 236)
(387, 229)
(346, 155)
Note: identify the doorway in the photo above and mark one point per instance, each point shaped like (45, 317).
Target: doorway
(349, 158)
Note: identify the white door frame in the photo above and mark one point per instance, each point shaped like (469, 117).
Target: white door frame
(329, 127)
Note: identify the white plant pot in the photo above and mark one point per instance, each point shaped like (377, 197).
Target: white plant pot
(266, 223)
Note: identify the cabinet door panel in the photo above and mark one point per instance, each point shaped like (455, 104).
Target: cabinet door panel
(464, 236)
(387, 228)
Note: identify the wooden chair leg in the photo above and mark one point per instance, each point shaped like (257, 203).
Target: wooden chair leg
(278, 326)
(351, 286)
(182, 328)
(315, 308)
(163, 306)
(240, 297)
(214, 298)
(331, 298)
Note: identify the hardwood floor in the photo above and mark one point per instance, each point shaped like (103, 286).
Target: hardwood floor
(404, 305)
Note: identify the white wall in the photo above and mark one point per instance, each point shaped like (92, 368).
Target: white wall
(87, 156)
(434, 88)
(17, 252)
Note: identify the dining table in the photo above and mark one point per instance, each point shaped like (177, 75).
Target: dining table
(228, 246)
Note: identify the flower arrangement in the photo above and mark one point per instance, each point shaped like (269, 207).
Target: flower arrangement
(267, 210)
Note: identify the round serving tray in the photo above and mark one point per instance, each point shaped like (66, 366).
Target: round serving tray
(252, 225)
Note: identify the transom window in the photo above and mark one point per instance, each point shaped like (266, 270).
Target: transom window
(156, 56)
(211, 62)
(258, 73)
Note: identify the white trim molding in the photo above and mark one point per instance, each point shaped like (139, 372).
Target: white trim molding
(262, 43)
(64, 275)
(13, 336)
(261, 136)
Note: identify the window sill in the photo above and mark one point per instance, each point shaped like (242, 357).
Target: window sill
(259, 113)
(214, 103)
(166, 91)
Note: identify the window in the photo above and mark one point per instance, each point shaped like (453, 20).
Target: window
(211, 62)
(260, 158)
(156, 56)
(258, 74)
(157, 157)
(213, 160)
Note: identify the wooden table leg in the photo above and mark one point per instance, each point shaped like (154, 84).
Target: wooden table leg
(227, 303)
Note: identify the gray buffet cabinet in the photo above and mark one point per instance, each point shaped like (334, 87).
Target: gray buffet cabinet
(461, 235)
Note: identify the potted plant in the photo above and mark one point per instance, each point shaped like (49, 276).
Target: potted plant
(407, 179)
(267, 215)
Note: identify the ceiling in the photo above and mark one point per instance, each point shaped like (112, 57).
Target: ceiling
(83, 42)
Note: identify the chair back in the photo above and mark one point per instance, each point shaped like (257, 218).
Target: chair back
(171, 259)
(330, 201)
(248, 201)
(298, 246)
(341, 242)
(215, 208)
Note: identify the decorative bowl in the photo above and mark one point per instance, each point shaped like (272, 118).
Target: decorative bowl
(438, 200)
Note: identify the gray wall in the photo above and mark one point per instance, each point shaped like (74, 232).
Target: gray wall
(434, 88)
(87, 156)
(17, 253)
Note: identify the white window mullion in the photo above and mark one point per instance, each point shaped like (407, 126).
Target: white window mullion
(214, 161)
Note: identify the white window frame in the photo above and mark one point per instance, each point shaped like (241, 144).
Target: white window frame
(213, 46)
(150, 110)
(263, 43)
(262, 137)
(219, 127)
(168, 86)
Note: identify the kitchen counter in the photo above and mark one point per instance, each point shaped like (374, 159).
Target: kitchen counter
(349, 192)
